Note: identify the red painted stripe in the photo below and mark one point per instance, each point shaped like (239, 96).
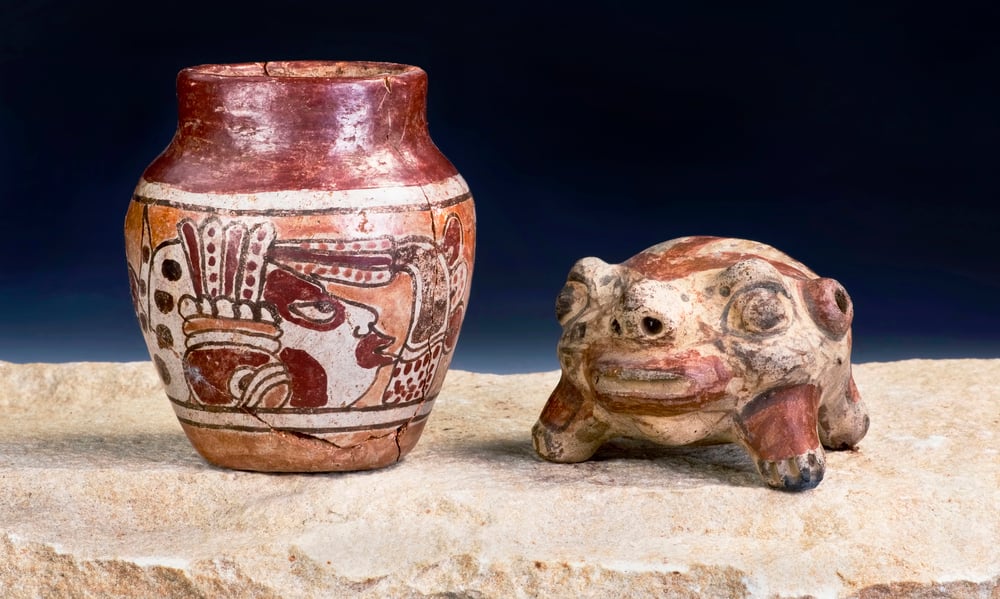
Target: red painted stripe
(231, 259)
(189, 234)
(672, 264)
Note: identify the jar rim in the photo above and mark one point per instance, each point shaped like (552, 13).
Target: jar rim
(305, 70)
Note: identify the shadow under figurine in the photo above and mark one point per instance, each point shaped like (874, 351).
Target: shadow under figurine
(704, 340)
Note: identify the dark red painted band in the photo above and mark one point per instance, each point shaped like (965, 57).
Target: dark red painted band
(682, 260)
(300, 125)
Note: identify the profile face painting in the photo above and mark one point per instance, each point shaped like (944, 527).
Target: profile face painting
(245, 322)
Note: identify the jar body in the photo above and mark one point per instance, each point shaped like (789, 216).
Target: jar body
(300, 259)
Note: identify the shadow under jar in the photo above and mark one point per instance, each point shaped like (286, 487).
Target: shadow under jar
(299, 260)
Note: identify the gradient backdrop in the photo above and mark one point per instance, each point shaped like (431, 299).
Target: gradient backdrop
(862, 141)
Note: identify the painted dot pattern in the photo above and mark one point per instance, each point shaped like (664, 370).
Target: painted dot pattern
(161, 369)
(211, 255)
(346, 275)
(260, 240)
(411, 380)
(171, 270)
(457, 285)
(209, 261)
(164, 338)
(164, 301)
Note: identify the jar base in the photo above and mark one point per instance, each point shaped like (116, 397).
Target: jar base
(283, 451)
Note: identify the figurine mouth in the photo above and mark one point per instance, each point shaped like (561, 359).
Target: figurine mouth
(670, 384)
(641, 382)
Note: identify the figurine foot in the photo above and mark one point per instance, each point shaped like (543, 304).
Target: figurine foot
(779, 430)
(555, 447)
(567, 430)
(844, 422)
(798, 473)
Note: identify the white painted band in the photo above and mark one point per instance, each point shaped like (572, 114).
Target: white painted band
(323, 421)
(417, 196)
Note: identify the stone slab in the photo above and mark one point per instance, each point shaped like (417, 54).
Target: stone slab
(102, 496)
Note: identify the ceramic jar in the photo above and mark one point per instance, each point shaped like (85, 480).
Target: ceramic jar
(299, 259)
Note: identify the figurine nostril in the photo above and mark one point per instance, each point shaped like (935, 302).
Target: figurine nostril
(652, 326)
(841, 298)
(616, 327)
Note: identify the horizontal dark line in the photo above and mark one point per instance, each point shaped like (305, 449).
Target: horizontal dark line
(333, 210)
(355, 259)
(348, 410)
(225, 343)
(452, 201)
(264, 428)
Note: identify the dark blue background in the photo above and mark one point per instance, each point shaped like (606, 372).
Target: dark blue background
(862, 141)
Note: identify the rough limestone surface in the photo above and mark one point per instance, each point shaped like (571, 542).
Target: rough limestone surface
(102, 496)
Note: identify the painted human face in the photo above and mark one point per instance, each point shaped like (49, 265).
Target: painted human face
(330, 346)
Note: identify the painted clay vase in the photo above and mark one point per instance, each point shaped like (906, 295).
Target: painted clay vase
(299, 259)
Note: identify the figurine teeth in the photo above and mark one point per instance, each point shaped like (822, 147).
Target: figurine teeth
(205, 306)
(645, 374)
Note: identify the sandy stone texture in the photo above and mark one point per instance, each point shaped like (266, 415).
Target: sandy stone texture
(102, 496)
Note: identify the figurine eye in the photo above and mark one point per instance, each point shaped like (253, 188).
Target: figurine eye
(759, 310)
(652, 326)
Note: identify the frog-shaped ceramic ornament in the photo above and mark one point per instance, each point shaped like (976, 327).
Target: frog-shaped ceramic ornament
(704, 340)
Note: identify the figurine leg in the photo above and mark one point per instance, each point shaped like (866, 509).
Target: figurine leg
(567, 430)
(844, 420)
(778, 428)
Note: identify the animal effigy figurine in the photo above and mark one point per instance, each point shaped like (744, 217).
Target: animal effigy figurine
(705, 340)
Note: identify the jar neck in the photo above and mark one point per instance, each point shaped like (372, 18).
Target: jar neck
(343, 107)
(289, 124)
